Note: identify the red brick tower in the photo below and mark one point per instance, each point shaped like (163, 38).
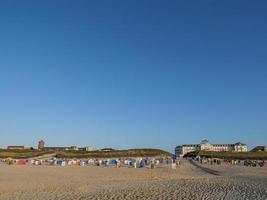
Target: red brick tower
(41, 145)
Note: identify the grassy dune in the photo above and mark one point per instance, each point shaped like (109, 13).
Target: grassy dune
(115, 153)
(230, 155)
(20, 154)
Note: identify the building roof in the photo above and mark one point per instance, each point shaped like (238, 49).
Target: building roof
(16, 146)
(205, 141)
(239, 143)
(258, 148)
(190, 145)
(107, 149)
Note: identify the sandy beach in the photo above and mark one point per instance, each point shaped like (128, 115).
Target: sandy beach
(186, 182)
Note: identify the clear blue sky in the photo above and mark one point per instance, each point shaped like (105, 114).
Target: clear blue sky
(127, 74)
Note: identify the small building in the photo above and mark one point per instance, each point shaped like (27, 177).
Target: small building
(17, 147)
(90, 149)
(74, 148)
(259, 148)
(87, 149)
(107, 149)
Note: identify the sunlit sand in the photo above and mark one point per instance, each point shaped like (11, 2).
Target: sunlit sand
(186, 182)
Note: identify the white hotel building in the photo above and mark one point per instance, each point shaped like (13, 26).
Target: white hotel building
(206, 146)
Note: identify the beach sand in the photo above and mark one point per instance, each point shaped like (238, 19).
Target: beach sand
(186, 182)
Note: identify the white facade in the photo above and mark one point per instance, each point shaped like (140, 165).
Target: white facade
(89, 149)
(206, 146)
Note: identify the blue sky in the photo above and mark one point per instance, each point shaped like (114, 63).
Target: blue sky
(128, 74)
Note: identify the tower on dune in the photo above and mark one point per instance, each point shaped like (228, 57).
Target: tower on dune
(41, 145)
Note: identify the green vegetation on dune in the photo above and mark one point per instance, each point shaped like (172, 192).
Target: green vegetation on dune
(230, 155)
(21, 154)
(27, 153)
(113, 154)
